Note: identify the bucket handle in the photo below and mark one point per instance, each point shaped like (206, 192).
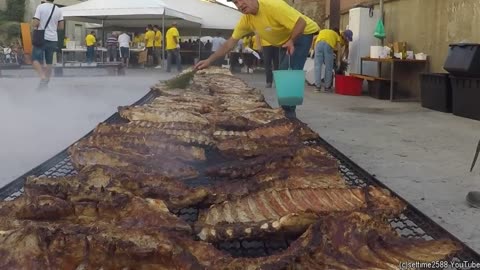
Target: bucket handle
(289, 66)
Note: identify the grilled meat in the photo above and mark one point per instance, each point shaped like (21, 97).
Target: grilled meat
(154, 146)
(151, 131)
(144, 113)
(243, 147)
(89, 156)
(271, 205)
(359, 241)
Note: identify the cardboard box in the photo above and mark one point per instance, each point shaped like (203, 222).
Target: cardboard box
(399, 47)
(142, 57)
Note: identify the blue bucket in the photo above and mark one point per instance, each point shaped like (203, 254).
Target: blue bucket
(290, 85)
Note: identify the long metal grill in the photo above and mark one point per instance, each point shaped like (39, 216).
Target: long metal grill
(411, 224)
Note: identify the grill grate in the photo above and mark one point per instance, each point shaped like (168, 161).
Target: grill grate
(411, 224)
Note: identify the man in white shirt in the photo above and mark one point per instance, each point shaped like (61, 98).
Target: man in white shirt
(217, 43)
(124, 44)
(44, 54)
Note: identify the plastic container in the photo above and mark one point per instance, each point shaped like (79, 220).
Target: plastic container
(436, 92)
(379, 89)
(463, 60)
(290, 85)
(348, 85)
(466, 97)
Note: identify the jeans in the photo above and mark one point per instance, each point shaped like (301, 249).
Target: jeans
(178, 60)
(323, 55)
(270, 53)
(90, 54)
(295, 62)
(112, 53)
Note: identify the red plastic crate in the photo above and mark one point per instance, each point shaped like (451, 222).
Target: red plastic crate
(348, 85)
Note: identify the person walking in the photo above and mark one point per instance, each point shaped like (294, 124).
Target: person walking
(47, 17)
(280, 25)
(173, 47)
(112, 43)
(149, 43)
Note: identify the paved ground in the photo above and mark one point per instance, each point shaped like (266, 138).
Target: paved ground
(421, 154)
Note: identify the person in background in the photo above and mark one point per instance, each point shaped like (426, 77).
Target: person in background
(325, 44)
(112, 49)
(158, 45)
(44, 54)
(217, 43)
(124, 44)
(149, 43)
(173, 47)
(280, 25)
(90, 42)
(270, 59)
(137, 39)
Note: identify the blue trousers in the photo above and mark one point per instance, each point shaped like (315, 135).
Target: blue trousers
(178, 60)
(296, 61)
(90, 54)
(323, 55)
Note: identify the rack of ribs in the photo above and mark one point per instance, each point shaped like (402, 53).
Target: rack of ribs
(89, 156)
(360, 241)
(144, 145)
(158, 131)
(145, 113)
(270, 206)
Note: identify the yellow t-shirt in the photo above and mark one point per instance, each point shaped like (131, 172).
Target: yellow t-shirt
(255, 45)
(158, 39)
(274, 22)
(149, 38)
(137, 39)
(265, 43)
(330, 37)
(90, 40)
(171, 34)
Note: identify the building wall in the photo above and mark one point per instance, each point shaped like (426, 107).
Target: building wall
(315, 9)
(3, 5)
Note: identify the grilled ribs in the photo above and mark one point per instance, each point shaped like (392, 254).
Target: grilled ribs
(144, 113)
(295, 205)
(359, 241)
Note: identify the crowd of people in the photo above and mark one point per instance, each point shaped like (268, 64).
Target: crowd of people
(269, 30)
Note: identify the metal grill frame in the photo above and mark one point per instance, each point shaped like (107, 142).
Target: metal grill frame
(411, 224)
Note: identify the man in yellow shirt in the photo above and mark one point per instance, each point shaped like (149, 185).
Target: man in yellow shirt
(326, 43)
(158, 45)
(173, 47)
(90, 42)
(149, 43)
(277, 23)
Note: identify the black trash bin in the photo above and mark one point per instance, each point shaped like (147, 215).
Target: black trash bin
(466, 97)
(463, 60)
(436, 92)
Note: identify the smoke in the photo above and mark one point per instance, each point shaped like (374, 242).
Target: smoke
(39, 124)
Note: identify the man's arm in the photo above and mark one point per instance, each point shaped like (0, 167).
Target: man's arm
(221, 52)
(61, 25)
(35, 23)
(297, 31)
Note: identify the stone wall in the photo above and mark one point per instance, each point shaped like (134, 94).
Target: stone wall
(3, 5)
(315, 9)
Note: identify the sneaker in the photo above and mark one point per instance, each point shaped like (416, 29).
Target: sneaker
(158, 67)
(269, 85)
(43, 85)
(317, 89)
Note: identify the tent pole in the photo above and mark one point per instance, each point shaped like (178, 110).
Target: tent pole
(200, 45)
(381, 16)
(163, 39)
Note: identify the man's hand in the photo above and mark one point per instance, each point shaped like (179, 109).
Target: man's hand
(289, 46)
(202, 64)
